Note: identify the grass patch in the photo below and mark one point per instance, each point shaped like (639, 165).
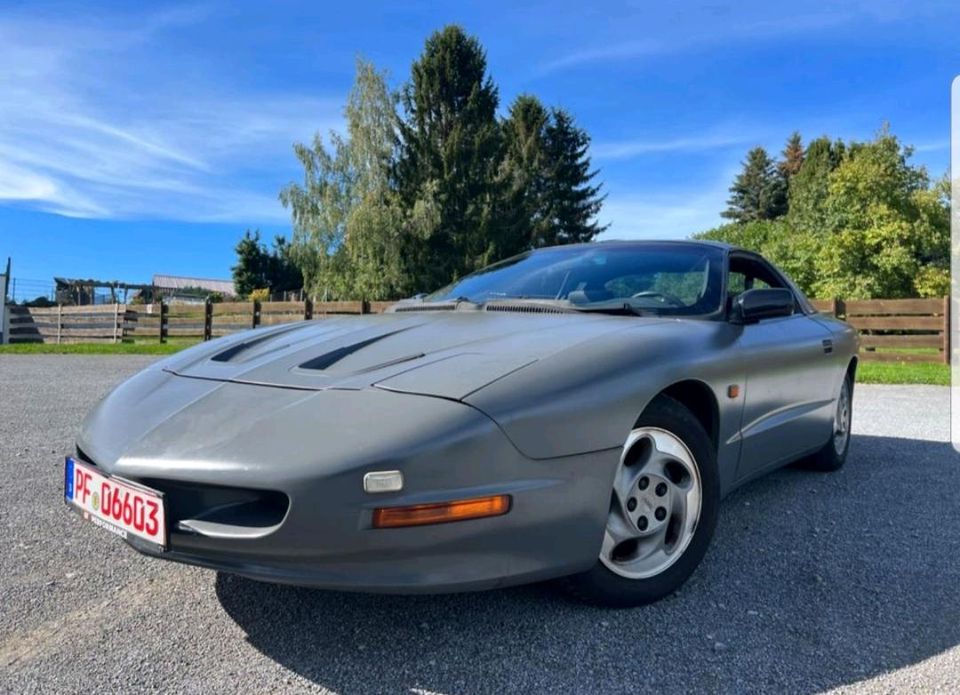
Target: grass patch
(903, 373)
(94, 348)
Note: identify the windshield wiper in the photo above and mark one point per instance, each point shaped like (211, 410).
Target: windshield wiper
(465, 300)
(619, 307)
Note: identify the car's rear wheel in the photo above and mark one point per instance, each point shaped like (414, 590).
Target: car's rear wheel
(834, 453)
(663, 510)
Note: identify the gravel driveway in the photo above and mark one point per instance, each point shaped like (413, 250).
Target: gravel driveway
(814, 581)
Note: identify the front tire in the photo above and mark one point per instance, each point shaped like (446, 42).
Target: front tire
(663, 510)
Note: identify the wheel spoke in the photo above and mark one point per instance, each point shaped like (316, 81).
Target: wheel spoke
(655, 506)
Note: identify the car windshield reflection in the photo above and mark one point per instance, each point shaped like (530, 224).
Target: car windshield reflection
(661, 279)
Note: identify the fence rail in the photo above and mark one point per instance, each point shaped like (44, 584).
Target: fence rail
(70, 324)
(910, 330)
(126, 323)
(897, 330)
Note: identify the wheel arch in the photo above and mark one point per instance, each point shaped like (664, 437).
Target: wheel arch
(697, 397)
(852, 368)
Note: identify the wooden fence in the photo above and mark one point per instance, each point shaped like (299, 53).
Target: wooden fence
(897, 330)
(70, 324)
(910, 330)
(116, 323)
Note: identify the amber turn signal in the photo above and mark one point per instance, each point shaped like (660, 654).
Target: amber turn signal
(442, 512)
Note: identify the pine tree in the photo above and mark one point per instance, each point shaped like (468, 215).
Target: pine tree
(523, 176)
(572, 201)
(758, 192)
(448, 154)
(260, 269)
(547, 191)
(791, 157)
(253, 264)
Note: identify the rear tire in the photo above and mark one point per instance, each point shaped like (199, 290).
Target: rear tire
(663, 511)
(834, 453)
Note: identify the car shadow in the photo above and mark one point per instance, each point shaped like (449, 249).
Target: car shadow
(813, 581)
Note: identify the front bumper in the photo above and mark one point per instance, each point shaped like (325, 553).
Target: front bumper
(315, 448)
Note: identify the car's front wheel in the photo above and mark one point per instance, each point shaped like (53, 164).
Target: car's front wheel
(663, 510)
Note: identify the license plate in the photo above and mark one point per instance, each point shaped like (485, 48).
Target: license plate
(120, 506)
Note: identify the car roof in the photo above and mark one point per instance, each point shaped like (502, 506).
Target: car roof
(649, 242)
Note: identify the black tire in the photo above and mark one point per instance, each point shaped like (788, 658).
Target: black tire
(829, 459)
(600, 585)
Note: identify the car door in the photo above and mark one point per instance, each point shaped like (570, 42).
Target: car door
(788, 404)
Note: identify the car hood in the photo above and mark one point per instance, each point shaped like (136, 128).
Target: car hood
(446, 354)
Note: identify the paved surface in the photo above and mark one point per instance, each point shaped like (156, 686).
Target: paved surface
(814, 582)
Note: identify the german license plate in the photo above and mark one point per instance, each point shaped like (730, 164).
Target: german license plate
(119, 506)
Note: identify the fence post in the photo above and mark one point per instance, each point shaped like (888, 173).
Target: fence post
(307, 309)
(116, 320)
(164, 309)
(207, 319)
(947, 346)
(256, 313)
(59, 323)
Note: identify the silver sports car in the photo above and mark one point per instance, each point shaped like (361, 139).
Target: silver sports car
(573, 412)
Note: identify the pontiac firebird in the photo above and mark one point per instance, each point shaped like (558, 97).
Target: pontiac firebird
(574, 412)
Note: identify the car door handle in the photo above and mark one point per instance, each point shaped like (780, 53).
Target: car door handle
(828, 346)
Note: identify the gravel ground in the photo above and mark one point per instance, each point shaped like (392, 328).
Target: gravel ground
(814, 582)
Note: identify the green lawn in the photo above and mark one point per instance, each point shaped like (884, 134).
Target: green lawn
(903, 373)
(94, 348)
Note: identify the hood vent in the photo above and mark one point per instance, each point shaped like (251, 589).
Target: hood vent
(329, 359)
(519, 308)
(425, 306)
(234, 350)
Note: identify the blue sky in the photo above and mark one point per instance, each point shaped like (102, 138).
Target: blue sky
(144, 138)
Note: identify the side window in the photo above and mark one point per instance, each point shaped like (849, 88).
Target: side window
(736, 283)
(749, 274)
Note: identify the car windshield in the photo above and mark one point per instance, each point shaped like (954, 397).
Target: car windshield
(660, 279)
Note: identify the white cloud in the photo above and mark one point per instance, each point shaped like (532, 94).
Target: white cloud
(91, 125)
(616, 51)
(932, 146)
(675, 31)
(625, 149)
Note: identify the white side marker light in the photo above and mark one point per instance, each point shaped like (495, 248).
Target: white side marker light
(383, 481)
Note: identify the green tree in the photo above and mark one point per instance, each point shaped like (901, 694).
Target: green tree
(253, 261)
(348, 226)
(259, 268)
(449, 148)
(283, 274)
(572, 201)
(548, 195)
(885, 224)
(758, 192)
(808, 187)
(406, 202)
(863, 222)
(523, 172)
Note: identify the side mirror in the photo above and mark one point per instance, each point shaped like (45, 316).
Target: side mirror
(755, 305)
